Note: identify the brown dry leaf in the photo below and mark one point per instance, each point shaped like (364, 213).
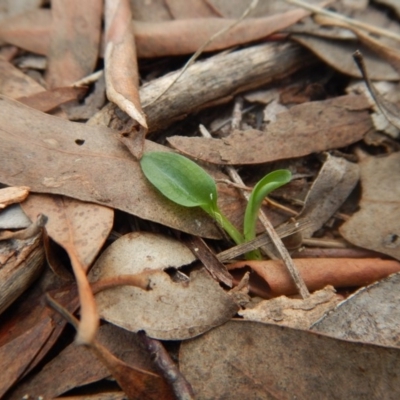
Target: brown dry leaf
(155, 10)
(86, 163)
(13, 195)
(235, 8)
(85, 225)
(319, 272)
(121, 69)
(294, 313)
(21, 350)
(156, 39)
(14, 83)
(335, 181)
(183, 9)
(375, 226)
(390, 3)
(304, 129)
(338, 54)
(371, 315)
(81, 229)
(74, 40)
(170, 310)
(251, 360)
(29, 30)
(48, 100)
(76, 366)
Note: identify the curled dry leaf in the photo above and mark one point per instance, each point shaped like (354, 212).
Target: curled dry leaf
(121, 69)
(370, 315)
(251, 360)
(319, 272)
(170, 310)
(304, 129)
(375, 226)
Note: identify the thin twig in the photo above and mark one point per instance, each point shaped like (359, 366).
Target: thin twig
(181, 387)
(196, 55)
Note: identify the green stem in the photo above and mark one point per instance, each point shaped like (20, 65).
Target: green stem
(227, 226)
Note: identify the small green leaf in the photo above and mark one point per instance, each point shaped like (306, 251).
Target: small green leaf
(185, 183)
(266, 185)
(180, 180)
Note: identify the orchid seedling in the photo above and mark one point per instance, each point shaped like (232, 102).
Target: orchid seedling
(187, 184)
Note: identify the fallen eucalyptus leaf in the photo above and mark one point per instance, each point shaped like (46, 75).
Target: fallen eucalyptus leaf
(171, 310)
(250, 360)
(304, 129)
(372, 315)
(375, 226)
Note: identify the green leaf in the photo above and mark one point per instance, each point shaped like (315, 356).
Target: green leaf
(265, 186)
(180, 180)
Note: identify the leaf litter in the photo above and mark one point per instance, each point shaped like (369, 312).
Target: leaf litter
(162, 274)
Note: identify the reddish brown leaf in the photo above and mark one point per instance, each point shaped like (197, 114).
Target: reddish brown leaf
(319, 272)
(16, 355)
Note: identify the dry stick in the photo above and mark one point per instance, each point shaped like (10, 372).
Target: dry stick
(181, 387)
(196, 55)
(298, 280)
(216, 79)
(362, 25)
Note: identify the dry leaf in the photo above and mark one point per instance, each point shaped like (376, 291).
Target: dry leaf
(250, 360)
(375, 226)
(85, 225)
(371, 315)
(74, 40)
(319, 272)
(121, 69)
(76, 366)
(48, 100)
(156, 39)
(304, 129)
(338, 54)
(294, 313)
(170, 310)
(183, 9)
(335, 181)
(21, 351)
(81, 229)
(14, 83)
(88, 163)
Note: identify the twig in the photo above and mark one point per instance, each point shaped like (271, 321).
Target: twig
(194, 57)
(362, 25)
(181, 387)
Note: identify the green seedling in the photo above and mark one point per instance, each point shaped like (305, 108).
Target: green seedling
(184, 182)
